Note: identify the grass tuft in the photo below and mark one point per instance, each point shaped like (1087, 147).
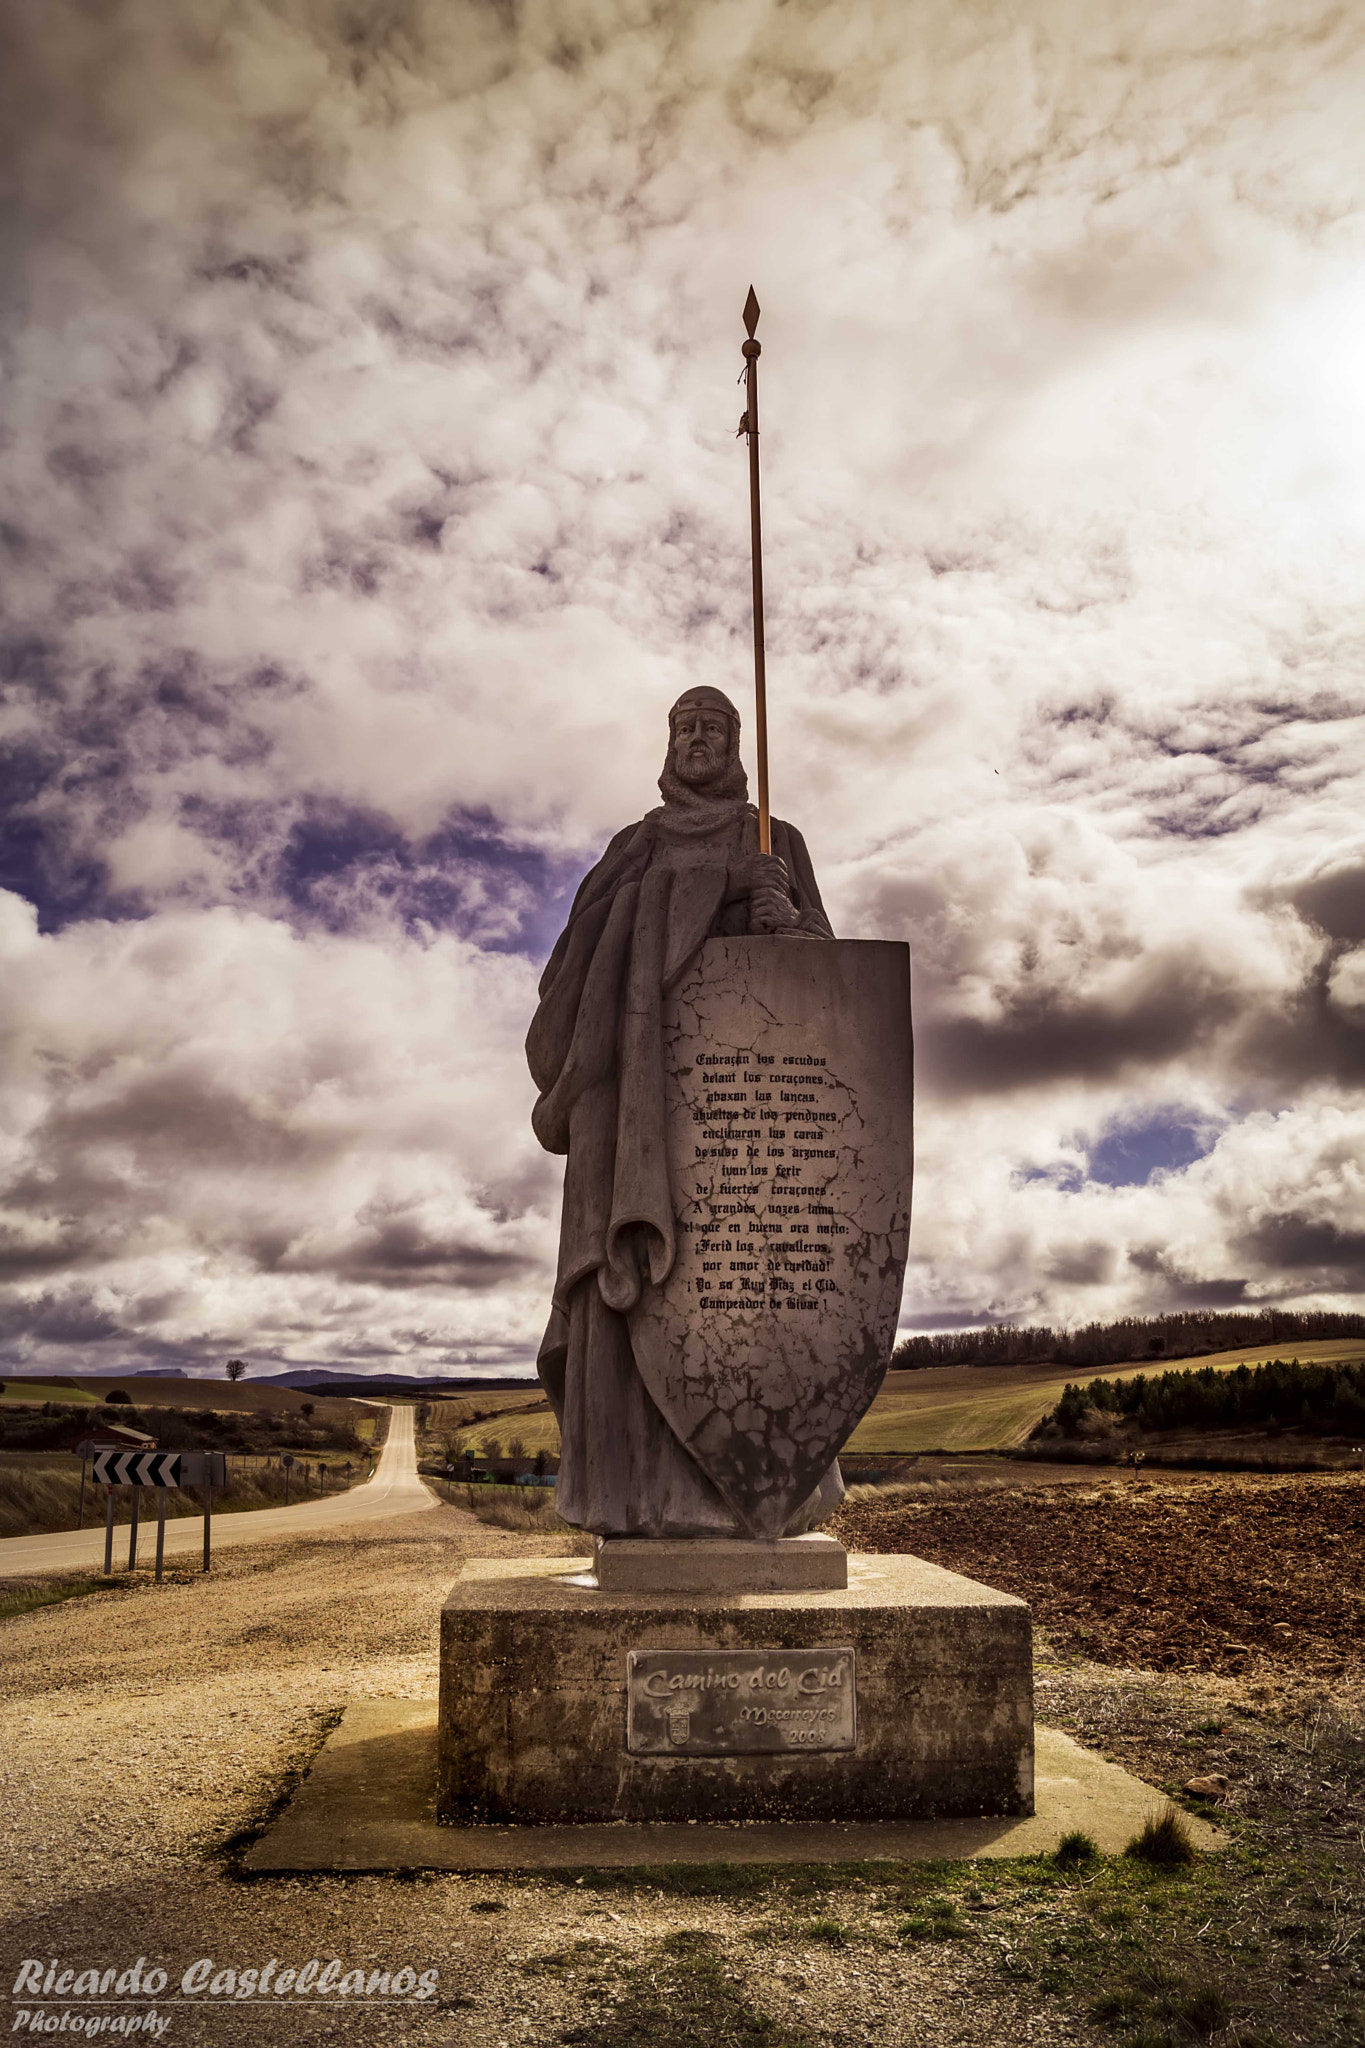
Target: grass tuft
(940, 1921)
(822, 1929)
(1165, 2006)
(1115, 2005)
(1202, 2007)
(1165, 1842)
(687, 1941)
(1076, 1847)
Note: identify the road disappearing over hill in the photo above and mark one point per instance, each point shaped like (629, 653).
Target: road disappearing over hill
(395, 1489)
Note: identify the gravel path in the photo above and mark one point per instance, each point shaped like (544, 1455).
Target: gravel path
(395, 1489)
(143, 1729)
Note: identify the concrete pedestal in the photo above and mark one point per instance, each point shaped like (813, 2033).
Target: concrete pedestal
(907, 1693)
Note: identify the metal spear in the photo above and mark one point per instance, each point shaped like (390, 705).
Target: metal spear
(748, 426)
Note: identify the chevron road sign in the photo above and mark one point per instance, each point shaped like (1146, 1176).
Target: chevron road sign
(159, 1468)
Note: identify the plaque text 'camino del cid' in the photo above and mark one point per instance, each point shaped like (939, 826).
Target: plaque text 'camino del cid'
(739, 1702)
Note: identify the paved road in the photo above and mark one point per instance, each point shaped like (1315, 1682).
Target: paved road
(394, 1490)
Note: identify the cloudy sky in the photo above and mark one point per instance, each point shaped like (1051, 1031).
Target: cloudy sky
(370, 489)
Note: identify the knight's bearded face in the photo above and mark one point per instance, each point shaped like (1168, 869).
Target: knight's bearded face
(702, 745)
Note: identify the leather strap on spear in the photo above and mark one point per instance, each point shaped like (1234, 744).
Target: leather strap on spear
(748, 426)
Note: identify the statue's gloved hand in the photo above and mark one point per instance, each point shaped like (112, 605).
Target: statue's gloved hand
(763, 878)
(758, 871)
(772, 910)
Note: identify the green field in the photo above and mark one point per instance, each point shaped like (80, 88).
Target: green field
(994, 1407)
(25, 1393)
(525, 1415)
(942, 1408)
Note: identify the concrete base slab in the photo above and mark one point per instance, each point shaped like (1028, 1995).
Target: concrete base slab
(369, 1803)
(813, 1563)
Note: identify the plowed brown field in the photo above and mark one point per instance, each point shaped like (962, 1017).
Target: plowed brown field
(1210, 1573)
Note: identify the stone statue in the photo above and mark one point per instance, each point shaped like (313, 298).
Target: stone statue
(688, 871)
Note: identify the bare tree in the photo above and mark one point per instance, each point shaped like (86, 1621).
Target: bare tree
(235, 1368)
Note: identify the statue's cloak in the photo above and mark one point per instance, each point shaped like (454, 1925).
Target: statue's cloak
(595, 1050)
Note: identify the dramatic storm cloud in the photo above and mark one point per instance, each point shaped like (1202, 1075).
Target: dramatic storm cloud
(370, 490)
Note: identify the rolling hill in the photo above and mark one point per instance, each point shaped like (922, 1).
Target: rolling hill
(940, 1408)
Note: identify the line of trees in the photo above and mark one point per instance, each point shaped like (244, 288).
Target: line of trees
(1325, 1400)
(1189, 1333)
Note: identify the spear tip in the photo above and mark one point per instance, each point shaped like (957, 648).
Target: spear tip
(751, 313)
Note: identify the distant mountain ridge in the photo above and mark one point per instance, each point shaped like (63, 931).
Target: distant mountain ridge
(320, 1381)
(315, 1380)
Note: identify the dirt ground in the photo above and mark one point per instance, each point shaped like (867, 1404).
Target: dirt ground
(145, 1735)
(1246, 1575)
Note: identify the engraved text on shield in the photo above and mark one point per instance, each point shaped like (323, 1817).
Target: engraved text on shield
(788, 1079)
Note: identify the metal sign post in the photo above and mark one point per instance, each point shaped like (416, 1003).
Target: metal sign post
(160, 1530)
(208, 1524)
(132, 1530)
(109, 1535)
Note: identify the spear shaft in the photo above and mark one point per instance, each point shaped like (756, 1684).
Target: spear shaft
(749, 426)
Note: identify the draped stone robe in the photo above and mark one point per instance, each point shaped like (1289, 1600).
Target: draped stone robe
(595, 1050)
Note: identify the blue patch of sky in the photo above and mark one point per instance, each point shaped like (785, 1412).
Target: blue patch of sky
(1064, 1175)
(1167, 1141)
(465, 878)
(1128, 1152)
(34, 863)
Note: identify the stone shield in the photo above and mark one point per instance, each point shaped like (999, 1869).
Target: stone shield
(788, 1070)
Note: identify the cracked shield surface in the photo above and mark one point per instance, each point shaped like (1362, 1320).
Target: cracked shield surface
(788, 1074)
